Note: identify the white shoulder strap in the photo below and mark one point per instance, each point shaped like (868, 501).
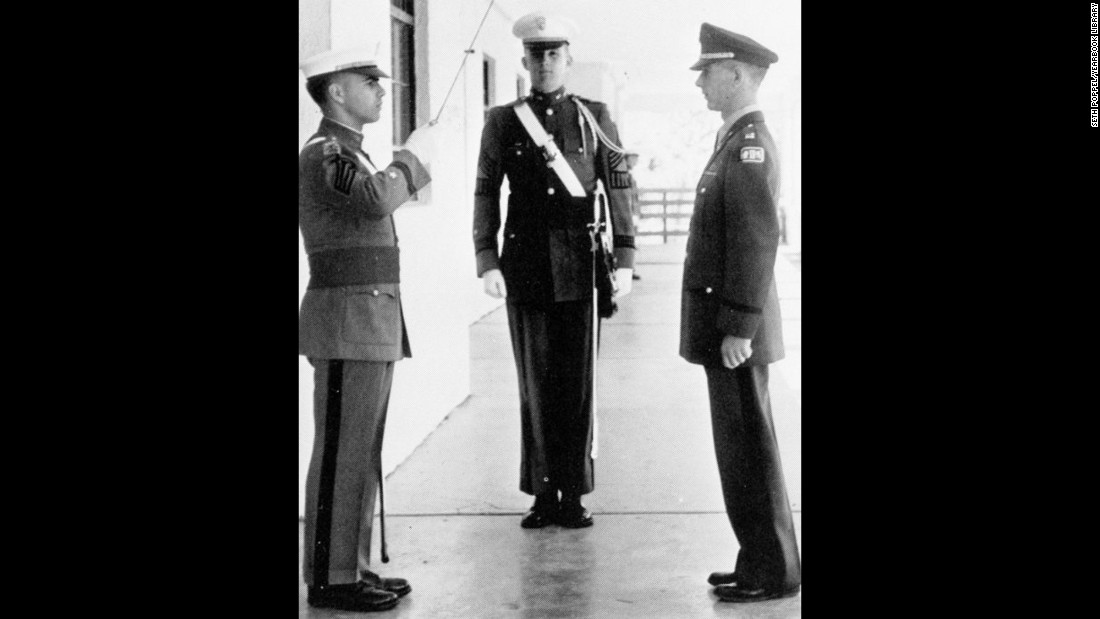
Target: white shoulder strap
(556, 162)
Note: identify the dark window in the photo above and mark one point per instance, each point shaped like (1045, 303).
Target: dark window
(489, 83)
(404, 69)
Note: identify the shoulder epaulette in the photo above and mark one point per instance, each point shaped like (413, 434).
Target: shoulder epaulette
(329, 145)
(586, 101)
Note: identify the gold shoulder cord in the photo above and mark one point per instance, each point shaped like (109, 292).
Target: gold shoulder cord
(586, 114)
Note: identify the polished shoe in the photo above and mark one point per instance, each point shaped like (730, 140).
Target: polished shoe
(537, 518)
(635, 276)
(359, 597)
(722, 578)
(543, 512)
(400, 586)
(573, 515)
(747, 593)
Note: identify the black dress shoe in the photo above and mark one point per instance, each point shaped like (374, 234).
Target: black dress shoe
(359, 597)
(543, 512)
(750, 593)
(537, 518)
(573, 515)
(400, 586)
(722, 578)
(635, 276)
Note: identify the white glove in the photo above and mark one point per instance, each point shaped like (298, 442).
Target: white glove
(624, 278)
(421, 143)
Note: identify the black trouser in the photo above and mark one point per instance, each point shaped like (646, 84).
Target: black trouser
(752, 477)
(349, 412)
(552, 345)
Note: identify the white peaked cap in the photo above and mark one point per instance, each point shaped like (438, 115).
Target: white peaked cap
(540, 28)
(358, 59)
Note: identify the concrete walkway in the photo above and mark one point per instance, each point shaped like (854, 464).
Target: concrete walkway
(453, 506)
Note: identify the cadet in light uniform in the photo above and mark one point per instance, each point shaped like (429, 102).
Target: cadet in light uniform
(730, 319)
(350, 326)
(545, 269)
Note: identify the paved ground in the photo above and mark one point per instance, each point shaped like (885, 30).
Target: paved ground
(453, 507)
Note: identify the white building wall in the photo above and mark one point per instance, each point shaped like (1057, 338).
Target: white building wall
(602, 82)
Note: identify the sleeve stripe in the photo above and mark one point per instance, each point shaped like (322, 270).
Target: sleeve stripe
(745, 309)
(400, 165)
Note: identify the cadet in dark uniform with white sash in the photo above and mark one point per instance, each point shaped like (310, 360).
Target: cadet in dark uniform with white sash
(350, 326)
(545, 269)
(730, 320)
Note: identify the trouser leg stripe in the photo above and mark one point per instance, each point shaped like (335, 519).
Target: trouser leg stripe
(327, 483)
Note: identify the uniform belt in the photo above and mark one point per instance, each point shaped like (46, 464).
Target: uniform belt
(351, 266)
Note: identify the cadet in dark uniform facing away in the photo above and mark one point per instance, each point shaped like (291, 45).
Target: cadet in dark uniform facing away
(730, 319)
(350, 326)
(545, 269)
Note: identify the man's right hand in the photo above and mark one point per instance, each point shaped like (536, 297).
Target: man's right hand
(421, 143)
(494, 284)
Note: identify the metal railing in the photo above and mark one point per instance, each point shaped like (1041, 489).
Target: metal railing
(669, 204)
(674, 207)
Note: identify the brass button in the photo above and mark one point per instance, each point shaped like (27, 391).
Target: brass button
(519, 152)
(375, 292)
(703, 190)
(710, 290)
(550, 191)
(549, 112)
(545, 479)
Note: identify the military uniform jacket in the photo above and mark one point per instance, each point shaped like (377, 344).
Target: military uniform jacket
(729, 271)
(547, 252)
(352, 308)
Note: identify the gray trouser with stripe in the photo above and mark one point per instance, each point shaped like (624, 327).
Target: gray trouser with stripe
(349, 411)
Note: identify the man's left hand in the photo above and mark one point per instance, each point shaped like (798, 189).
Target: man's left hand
(624, 279)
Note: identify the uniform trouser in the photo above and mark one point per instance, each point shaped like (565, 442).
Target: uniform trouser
(552, 345)
(349, 411)
(752, 477)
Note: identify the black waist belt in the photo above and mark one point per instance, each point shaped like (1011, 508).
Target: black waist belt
(354, 265)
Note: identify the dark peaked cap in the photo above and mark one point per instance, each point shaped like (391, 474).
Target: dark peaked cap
(721, 44)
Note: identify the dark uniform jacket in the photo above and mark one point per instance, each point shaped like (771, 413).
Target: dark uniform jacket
(547, 248)
(352, 308)
(729, 281)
